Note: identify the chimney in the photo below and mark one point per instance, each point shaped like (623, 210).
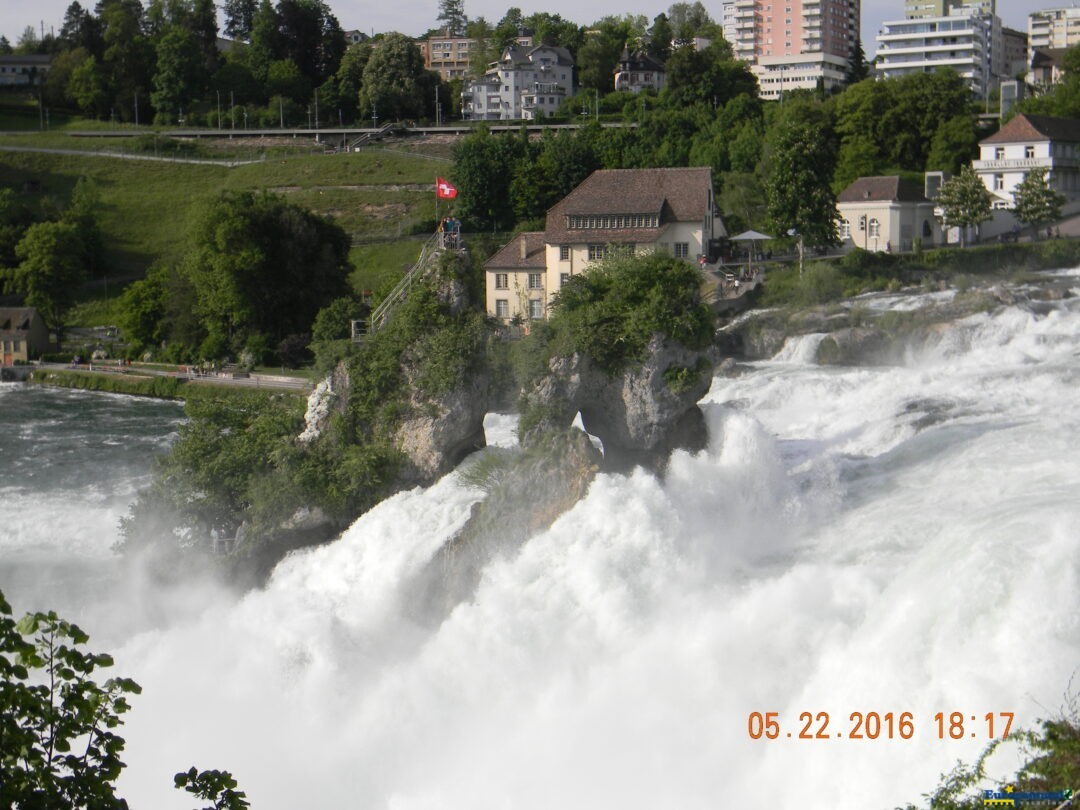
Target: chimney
(524, 247)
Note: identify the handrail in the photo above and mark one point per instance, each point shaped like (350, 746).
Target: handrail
(381, 313)
(370, 136)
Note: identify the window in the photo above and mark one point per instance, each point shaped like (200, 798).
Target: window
(845, 229)
(596, 252)
(999, 182)
(682, 250)
(536, 308)
(563, 278)
(1029, 151)
(502, 281)
(502, 308)
(875, 228)
(999, 153)
(564, 253)
(535, 281)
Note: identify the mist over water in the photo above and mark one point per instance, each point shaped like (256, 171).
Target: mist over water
(853, 539)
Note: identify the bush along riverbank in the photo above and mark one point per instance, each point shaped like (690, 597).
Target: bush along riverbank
(149, 386)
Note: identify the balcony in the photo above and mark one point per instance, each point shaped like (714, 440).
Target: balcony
(1012, 164)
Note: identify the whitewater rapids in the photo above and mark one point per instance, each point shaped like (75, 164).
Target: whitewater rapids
(853, 539)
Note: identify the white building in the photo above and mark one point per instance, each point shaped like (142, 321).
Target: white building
(727, 20)
(671, 211)
(525, 83)
(1053, 28)
(1029, 142)
(24, 68)
(962, 41)
(782, 74)
(887, 214)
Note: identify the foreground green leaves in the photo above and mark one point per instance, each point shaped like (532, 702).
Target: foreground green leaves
(58, 745)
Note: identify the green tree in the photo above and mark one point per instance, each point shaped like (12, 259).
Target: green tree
(52, 266)
(801, 166)
(955, 144)
(283, 78)
(857, 69)
(334, 321)
(180, 74)
(396, 85)
(239, 16)
(260, 266)
(480, 53)
(87, 87)
(265, 40)
(58, 740)
(742, 199)
(1035, 202)
(858, 158)
(216, 787)
(689, 20)
(660, 37)
(600, 52)
(452, 17)
(483, 169)
(5, 46)
(964, 202)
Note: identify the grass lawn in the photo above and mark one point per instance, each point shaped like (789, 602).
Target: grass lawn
(380, 266)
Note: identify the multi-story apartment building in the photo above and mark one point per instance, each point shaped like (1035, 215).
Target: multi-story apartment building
(526, 83)
(629, 210)
(727, 20)
(447, 56)
(963, 41)
(1014, 53)
(1053, 28)
(796, 43)
(917, 9)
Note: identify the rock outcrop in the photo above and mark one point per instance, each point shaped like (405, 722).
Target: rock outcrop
(640, 414)
(438, 432)
(526, 492)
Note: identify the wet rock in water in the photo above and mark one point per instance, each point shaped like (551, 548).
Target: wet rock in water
(640, 414)
(527, 491)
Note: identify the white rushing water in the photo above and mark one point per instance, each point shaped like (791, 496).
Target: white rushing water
(890, 539)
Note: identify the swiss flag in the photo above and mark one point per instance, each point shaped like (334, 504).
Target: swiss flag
(444, 190)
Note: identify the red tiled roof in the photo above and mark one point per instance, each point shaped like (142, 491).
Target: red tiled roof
(882, 189)
(509, 257)
(1029, 128)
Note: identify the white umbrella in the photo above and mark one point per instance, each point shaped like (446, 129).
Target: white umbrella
(752, 237)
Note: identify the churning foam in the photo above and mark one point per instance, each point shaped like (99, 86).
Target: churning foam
(891, 539)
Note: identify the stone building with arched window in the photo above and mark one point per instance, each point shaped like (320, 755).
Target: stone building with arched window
(887, 214)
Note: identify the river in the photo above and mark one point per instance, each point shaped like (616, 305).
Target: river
(899, 539)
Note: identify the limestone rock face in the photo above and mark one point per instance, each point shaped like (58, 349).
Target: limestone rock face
(641, 413)
(438, 432)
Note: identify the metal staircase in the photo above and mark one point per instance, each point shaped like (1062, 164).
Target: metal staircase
(376, 135)
(433, 247)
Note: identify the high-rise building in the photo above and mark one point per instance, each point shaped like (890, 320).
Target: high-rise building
(967, 40)
(1053, 28)
(917, 9)
(796, 43)
(727, 20)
